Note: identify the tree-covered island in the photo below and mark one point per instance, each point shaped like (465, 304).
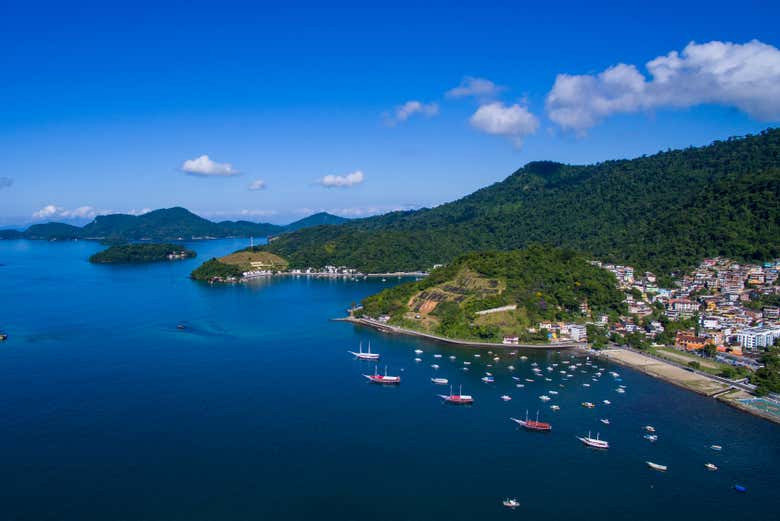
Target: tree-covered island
(140, 253)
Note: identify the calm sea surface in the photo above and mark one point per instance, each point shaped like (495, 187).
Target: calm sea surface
(256, 411)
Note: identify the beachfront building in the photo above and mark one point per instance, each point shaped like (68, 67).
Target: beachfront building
(753, 338)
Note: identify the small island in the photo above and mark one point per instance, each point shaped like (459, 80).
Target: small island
(240, 265)
(141, 253)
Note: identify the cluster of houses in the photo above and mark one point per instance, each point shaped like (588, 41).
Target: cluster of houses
(722, 293)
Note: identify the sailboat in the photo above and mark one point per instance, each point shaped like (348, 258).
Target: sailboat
(594, 442)
(368, 355)
(533, 425)
(458, 399)
(382, 379)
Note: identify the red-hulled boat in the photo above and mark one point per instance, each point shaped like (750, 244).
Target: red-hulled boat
(533, 425)
(382, 378)
(458, 399)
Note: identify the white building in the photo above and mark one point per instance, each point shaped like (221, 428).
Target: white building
(757, 337)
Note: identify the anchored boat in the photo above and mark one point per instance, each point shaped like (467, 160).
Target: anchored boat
(596, 442)
(457, 399)
(533, 425)
(382, 378)
(511, 503)
(656, 466)
(368, 355)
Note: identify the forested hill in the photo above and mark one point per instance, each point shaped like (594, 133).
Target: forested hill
(163, 224)
(662, 212)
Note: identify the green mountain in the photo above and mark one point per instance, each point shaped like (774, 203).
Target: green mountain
(519, 287)
(662, 212)
(163, 224)
(141, 253)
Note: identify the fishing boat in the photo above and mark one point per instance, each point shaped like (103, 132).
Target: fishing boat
(382, 379)
(368, 355)
(605, 421)
(649, 428)
(533, 425)
(652, 438)
(710, 466)
(596, 442)
(511, 503)
(440, 381)
(656, 466)
(588, 405)
(457, 399)
(716, 447)
(488, 379)
(506, 397)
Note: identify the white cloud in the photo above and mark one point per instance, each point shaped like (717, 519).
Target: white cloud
(203, 166)
(479, 88)
(342, 181)
(5, 182)
(257, 213)
(514, 121)
(745, 76)
(410, 108)
(142, 211)
(82, 212)
(257, 184)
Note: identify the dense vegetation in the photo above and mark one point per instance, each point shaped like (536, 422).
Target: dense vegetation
(767, 379)
(164, 224)
(215, 269)
(663, 212)
(546, 284)
(137, 253)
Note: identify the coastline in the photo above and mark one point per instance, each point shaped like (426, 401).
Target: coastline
(387, 328)
(706, 385)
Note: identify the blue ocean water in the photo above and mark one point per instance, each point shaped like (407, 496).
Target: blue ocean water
(256, 411)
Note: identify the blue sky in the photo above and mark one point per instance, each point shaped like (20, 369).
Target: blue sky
(103, 105)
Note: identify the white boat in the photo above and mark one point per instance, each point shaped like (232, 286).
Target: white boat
(523, 357)
(620, 390)
(487, 373)
(382, 379)
(594, 442)
(649, 428)
(466, 362)
(588, 405)
(434, 366)
(555, 407)
(519, 385)
(368, 355)
(418, 360)
(605, 421)
(548, 379)
(652, 438)
(716, 447)
(418, 351)
(437, 355)
(440, 381)
(552, 392)
(452, 357)
(586, 385)
(544, 398)
(710, 466)
(510, 503)
(488, 379)
(511, 367)
(506, 397)
(656, 466)
(607, 402)
(477, 355)
(457, 399)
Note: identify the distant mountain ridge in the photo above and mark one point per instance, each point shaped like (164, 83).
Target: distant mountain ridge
(163, 224)
(663, 212)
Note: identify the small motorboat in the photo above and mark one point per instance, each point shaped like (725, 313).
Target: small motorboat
(605, 421)
(545, 398)
(464, 369)
(510, 367)
(555, 407)
(418, 351)
(607, 402)
(511, 503)
(516, 378)
(588, 405)
(368, 355)
(552, 392)
(519, 386)
(620, 390)
(649, 428)
(440, 381)
(457, 399)
(523, 357)
(434, 366)
(506, 397)
(740, 488)
(716, 447)
(596, 442)
(586, 385)
(477, 355)
(488, 379)
(548, 379)
(652, 438)
(452, 357)
(466, 362)
(178, 326)
(3, 336)
(710, 466)
(488, 373)
(418, 360)
(437, 355)
(382, 379)
(529, 380)
(656, 466)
